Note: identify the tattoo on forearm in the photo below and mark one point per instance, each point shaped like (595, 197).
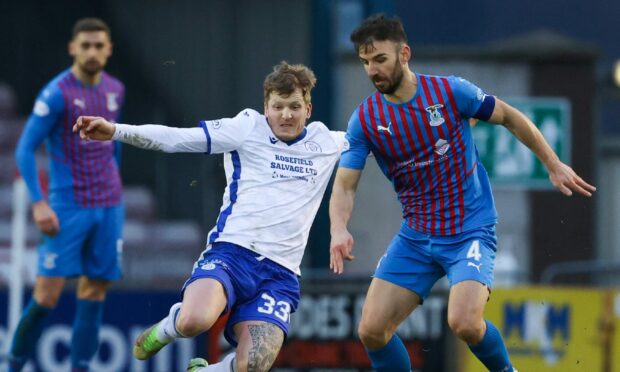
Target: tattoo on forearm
(266, 342)
(139, 141)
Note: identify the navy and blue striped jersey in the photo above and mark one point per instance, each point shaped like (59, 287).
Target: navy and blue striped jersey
(425, 148)
(81, 173)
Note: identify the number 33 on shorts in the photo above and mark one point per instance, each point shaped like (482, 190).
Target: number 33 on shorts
(280, 309)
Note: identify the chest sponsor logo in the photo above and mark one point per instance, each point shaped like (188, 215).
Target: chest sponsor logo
(289, 167)
(441, 146)
(111, 100)
(435, 115)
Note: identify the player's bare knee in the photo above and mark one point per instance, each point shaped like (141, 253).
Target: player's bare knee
(191, 324)
(373, 337)
(92, 289)
(468, 330)
(47, 291)
(47, 300)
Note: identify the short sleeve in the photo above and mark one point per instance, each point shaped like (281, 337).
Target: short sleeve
(341, 140)
(471, 101)
(358, 147)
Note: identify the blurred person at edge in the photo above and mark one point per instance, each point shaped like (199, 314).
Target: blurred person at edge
(83, 218)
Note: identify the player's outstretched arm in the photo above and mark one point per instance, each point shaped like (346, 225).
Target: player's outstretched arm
(561, 175)
(340, 208)
(148, 137)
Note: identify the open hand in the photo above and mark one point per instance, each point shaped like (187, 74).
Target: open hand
(339, 250)
(566, 180)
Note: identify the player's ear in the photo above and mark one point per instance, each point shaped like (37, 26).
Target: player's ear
(404, 54)
(71, 48)
(309, 110)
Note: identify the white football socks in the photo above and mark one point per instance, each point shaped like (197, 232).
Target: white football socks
(167, 330)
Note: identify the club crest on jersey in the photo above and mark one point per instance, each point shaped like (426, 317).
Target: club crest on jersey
(111, 101)
(436, 118)
(313, 146)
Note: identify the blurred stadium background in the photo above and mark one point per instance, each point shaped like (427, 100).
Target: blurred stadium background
(557, 298)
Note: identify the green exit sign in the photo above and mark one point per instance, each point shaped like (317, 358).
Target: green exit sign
(511, 163)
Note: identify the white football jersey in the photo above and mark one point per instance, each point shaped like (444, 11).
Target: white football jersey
(274, 188)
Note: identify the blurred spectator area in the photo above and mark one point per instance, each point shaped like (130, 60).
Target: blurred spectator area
(156, 252)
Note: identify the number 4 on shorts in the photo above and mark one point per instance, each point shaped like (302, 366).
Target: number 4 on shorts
(474, 251)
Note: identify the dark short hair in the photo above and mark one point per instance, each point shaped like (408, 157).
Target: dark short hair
(378, 27)
(285, 78)
(88, 25)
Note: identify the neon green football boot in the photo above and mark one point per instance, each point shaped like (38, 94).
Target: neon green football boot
(147, 344)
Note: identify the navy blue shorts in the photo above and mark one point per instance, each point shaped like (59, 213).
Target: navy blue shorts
(416, 261)
(256, 287)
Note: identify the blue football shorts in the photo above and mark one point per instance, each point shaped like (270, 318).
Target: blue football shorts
(416, 261)
(89, 243)
(256, 287)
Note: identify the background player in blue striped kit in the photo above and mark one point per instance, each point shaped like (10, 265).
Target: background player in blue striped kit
(82, 223)
(417, 127)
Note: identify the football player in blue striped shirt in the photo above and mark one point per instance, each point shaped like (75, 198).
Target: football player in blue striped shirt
(82, 219)
(417, 127)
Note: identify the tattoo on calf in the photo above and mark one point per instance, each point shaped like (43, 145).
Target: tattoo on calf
(266, 342)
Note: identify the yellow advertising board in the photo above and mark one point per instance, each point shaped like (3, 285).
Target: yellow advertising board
(548, 329)
(614, 347)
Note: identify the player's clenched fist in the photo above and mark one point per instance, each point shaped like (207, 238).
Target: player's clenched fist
(94, 127)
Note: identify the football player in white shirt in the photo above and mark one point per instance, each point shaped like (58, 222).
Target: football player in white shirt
(277, 169)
